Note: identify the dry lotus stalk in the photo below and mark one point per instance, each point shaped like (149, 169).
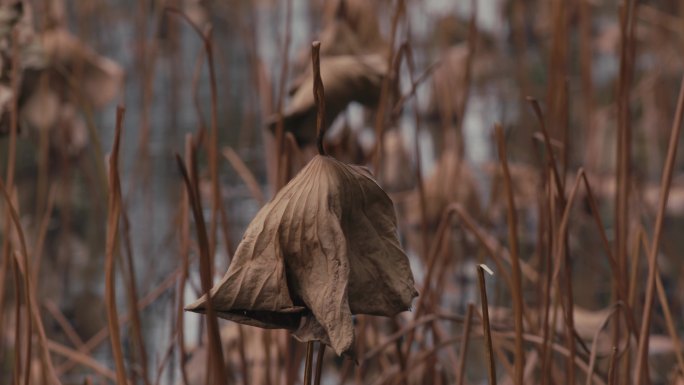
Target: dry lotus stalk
(323, 249)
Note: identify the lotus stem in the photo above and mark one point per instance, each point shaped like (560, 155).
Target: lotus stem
(309, 362)
(319, 364)
(319, 95)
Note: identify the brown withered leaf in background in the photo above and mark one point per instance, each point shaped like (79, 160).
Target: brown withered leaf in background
(323, 249)
(351, 27)
(346, 79)
(100, 79)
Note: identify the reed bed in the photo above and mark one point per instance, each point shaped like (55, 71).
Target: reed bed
(535, 141)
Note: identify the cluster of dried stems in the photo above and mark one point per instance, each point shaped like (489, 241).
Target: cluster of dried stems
(532, 325)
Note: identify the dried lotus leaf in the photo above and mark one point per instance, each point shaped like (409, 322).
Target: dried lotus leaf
(323, 249)
(100, 78)
(345, 79)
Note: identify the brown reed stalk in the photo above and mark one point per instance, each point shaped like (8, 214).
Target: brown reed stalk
(668, 169)
(319, 364)
(518, 307)
(9, 175)
(491, 368)
(553, 164)
(81, 358)
(519, 10)
(670, 323)
(399, 11)
(132, 289)
(113, 212)
(280, 125)
(464, 345)
(558, 66)
(408, 53)
(622, 289)
(16, 373)
(63, 323)
(215, 364)
(185, 266)
(42, 232)
(549, 214)
(23, 269)
(568, 306)
(245, 174)
(594, 345)
(624, 140)
(585, 58)
(218, 210)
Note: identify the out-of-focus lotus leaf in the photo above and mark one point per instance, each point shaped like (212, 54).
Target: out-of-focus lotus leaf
(346, 79)
(323, 249)
(352, 22)
(100, 78)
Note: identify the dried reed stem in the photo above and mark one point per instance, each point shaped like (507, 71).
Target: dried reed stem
(669, 322)
(132, 288)
(464, 345)
(280, 125)
(247, 176)
(114, 209)
(666, 181)
(624, 140)
(185, 266)
(491, 368)
(215, 364)
(400, 9)
(81, 358)
(517, 295)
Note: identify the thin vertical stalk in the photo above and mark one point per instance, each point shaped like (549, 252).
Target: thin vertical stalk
(665, 183)
(319, 364)
(464, 345)
(132, 288)
(319, 95)
(491, 368)
(114, 209)
(185, 265)
(622, 215)
(385, 90)
(518, 307)
(309, 362)
(215, 364)
(279, 134)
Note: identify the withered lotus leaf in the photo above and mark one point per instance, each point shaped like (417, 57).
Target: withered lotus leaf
(346, 79)
(323, 249)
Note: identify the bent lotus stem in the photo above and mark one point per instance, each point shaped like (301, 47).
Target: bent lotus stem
(319, 95)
